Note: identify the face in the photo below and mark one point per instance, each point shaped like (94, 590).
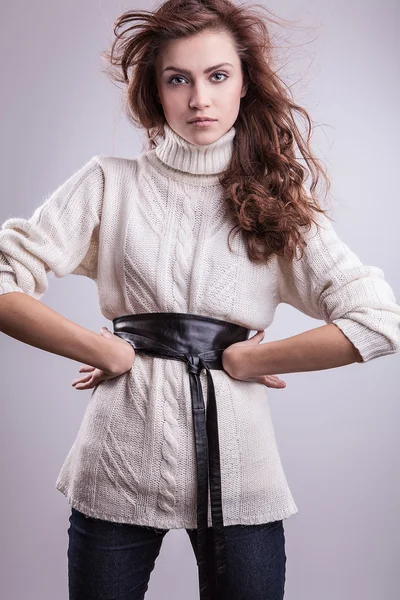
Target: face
(190, 84)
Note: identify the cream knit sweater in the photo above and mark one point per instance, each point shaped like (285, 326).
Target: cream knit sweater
(151, 231)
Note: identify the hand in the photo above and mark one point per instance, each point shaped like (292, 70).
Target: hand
(125, 361)
(232, 358)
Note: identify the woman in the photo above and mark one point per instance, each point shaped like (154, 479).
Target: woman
(154, 233)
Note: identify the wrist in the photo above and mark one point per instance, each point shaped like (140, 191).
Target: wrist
(240, 362)
(118, 355)
(254, 360)
(99, 352)
(247, 361)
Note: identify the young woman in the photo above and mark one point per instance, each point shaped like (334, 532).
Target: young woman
(178, 432)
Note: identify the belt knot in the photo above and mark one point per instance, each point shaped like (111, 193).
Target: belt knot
(194, 363)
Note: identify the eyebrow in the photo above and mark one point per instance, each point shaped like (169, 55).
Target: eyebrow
(189, 72)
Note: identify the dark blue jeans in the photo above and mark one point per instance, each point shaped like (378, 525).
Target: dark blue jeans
(113, 561)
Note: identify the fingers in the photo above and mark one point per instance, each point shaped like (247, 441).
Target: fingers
(106, 332)
(85, 385)
(274, 381)
(257, 338)
(82, 380)
(273, 378)
(271, 381)
(89, 381)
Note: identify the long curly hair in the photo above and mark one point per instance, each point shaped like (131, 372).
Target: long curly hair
(264, 183)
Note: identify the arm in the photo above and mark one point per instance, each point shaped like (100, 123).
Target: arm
(60, 237)
(325, 347)
(32, 322)
(329, 283)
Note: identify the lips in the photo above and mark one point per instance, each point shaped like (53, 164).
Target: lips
(201, 120)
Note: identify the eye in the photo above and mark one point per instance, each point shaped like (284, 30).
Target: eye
(220, 73)
(214, 74)
(176, 77)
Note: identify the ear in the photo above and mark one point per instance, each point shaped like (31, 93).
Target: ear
(244, 90)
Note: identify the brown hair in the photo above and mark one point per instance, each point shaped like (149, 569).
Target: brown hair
(264, 182)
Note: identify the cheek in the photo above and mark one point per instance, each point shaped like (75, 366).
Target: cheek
(170, 98)
(233, 98)
(232, 92)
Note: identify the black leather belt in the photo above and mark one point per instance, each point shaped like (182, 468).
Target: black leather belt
(199, 341)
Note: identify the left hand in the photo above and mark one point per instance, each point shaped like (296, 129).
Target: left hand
(232, 357)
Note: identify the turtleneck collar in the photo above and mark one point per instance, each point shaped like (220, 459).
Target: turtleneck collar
(210, 159)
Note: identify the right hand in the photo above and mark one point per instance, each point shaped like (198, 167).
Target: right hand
(125, 357)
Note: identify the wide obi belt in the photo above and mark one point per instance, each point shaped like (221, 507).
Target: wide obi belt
(199, 341)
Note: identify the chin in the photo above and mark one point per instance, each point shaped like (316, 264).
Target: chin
(203, 132)
(198, 136)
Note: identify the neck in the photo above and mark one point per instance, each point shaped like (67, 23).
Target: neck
(208, 159)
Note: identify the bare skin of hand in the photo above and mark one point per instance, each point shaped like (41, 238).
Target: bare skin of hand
(231, 359)
(94, 375)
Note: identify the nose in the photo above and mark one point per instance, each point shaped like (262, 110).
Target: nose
(199, 98)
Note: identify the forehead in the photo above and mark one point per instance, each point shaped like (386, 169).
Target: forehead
(198, 52)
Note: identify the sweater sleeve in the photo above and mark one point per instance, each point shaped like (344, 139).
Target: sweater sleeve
(330, 283)
(60, 237)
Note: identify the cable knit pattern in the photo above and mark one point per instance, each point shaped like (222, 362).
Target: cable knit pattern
(170, 446)
(152, 232)
(180, 271)
(183, 254)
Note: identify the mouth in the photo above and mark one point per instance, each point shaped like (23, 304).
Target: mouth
(203, 122)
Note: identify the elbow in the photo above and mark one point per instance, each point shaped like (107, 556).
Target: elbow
(370, 341)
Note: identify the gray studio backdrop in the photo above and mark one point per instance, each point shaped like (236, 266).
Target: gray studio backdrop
(337, 429)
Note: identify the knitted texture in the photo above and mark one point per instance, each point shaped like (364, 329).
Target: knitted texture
(152, 232)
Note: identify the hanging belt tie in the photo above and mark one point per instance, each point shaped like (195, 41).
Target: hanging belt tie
(199, 341)
(208, 430)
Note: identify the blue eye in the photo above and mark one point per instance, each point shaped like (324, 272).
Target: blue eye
(226, 76)
(181, 77)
